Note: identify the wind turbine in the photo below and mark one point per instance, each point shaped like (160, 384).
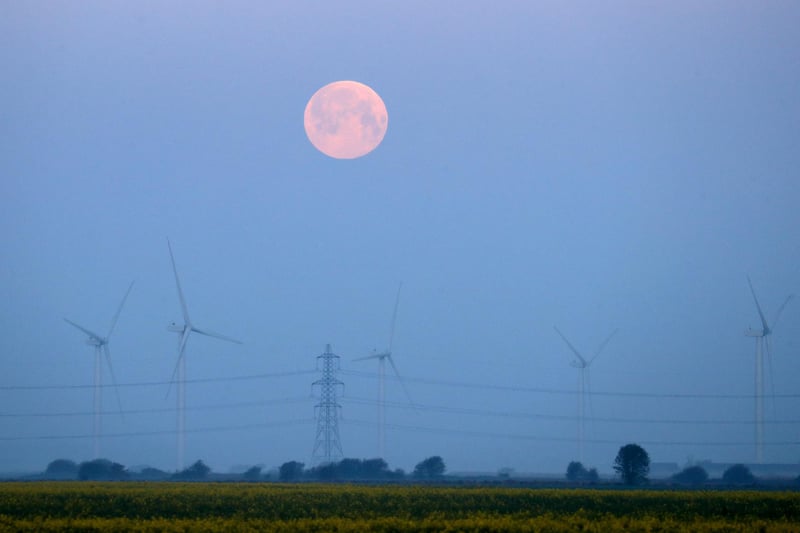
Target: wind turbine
(184, 331)
(382, 357)
(100, 344)
(583, 365)
(762, 345)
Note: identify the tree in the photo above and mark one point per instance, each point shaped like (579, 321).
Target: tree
(326, 472)
(430, 467)
(62, 469)
(374, 468)
(291, 471)
(349, 468)
(577, 472)
(252, 474)
(738, 475)
(199, 470)
(632, 464)
(691, 475)
(102, 469)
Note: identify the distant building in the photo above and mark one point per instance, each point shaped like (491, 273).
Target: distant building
(663, 470)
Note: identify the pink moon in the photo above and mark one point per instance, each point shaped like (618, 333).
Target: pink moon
(345, 120)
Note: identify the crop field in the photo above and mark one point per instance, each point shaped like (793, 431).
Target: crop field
(130, 506)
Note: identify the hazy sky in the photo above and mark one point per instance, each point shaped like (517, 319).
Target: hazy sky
(624, 166)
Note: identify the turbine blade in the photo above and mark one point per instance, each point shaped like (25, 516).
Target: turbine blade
(113, 379)
(780, 310)
(758, 306)
(119, 310)
(394, 317)
(178, 284)
(603, 345)
(181, 348)
(373, 356)
(571, 347)
(215, 335)
(86, 331)
(400, 379)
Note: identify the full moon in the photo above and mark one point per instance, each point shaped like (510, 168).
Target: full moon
(345, 119)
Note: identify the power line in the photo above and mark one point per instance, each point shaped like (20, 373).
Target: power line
(160, 383)
(153, 433)
(568, 418)
(512, 436)
(567, 392)
(400, 405)
(236, 405)
(423, 381)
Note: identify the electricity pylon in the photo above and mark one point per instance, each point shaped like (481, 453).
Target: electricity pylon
(327, 446)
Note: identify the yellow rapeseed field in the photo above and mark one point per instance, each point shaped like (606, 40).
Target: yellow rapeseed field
(76, 506)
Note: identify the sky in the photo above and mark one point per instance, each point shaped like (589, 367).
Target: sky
(588, 166)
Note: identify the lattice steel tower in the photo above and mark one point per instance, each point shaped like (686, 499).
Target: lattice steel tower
(327, 446)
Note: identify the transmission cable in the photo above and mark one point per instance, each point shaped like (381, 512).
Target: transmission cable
(519, 388)
(161, 383)
(553, 439)
(216, 429)
(569, 418)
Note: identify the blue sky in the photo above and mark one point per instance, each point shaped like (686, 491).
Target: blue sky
(623, 165)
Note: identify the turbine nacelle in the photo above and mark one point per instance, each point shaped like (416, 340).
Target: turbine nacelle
(95, 341)
(375, 355)
(176, 328)
(756, 332)
(579, 364)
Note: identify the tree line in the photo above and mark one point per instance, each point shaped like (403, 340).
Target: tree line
(632, 464)
(346, 469)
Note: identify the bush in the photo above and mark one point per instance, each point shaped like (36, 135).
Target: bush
(253, 474)
(692, 475)
(368, 469)
(430, 467)
(199, 470)
(738, 475)
(62, 469)
(577, 472)
(291, 471)
(102, 469)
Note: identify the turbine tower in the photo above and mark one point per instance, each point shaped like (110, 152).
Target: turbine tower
(382, 357)
(184, 331)
(327, 446)
(583, 366)
(100, 344)
(762, 346)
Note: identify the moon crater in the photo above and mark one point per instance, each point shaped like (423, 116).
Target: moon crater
(345, 119)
